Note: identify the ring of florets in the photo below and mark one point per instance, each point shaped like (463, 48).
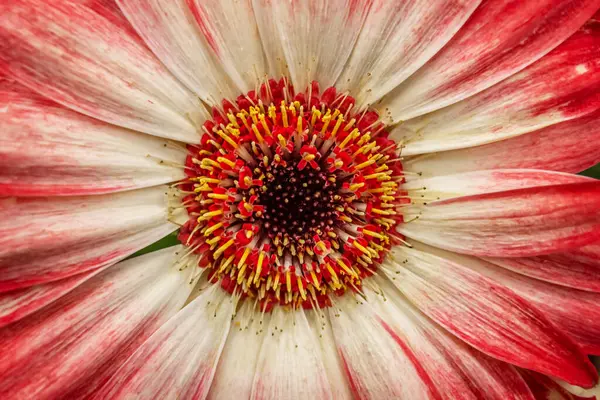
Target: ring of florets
(292, 197)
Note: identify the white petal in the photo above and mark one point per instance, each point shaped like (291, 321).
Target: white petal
(316, 36)
(230, 28)
(179, 360)
(290, 362)
(376, 367)
(237, 365)
(397, 38)
(169, 28)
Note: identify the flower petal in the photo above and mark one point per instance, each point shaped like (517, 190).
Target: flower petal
(573, 311)
(501, 38)
(321, 327)
(372, 359)
(490, 181)
(516, 223)
(397, 38)
(488, 316)
(179, 360)
(456, 369)
(579, 268)
(316, 37)
(48, 150)
(46, 239)
(290, 363)
(570, 146)
(18, 304)
(87, 60)
(563, 85)
(169, 28)
(230, 29)
(237, 364)
(69, 348)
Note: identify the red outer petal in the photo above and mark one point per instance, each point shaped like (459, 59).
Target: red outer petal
(85, 55)
(46, 149)
(501, 38)
(489, 316)
(515, 223)
(571, 146)
(20, 303)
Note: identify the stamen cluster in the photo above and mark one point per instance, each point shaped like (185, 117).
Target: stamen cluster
(291, 196)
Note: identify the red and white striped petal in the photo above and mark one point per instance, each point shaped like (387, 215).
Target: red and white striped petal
(290, 363)
(563, 85)
(544, 388)
(579, 268)
(515, 223)
(237, 364)
(179, 360)
(321, 327)
(47, 239)
(501, 38)
(489, 181)
(230, 29)
(316, 37)
(88, 59)
(575, 312)
(397, 38)
(170, 29)
(570, 146)
(456, 370)
(488, 316)
(376, 364)
(48, 150)
(18, 304)
(71, 347)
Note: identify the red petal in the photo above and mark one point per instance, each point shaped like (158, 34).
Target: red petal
(46, 149)
(488, 316)
(501, 38)
(515, 223)
(83, 57)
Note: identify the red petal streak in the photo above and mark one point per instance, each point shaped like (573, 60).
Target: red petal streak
(501, 38)
(46, 149)
(85, 56)
(579, 269)
(489, 316)
(47, 239)
(71, 347)
(516, 223)
(571, 146)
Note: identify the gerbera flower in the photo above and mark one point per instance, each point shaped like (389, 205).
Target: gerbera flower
(374, 199)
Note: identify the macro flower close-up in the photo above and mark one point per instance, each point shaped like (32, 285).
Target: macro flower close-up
(299, 199)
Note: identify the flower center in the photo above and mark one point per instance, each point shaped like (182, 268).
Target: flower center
(292, 196)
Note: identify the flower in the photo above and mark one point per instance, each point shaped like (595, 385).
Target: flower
(374, 199)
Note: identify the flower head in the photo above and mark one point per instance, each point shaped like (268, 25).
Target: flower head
(372, 199)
